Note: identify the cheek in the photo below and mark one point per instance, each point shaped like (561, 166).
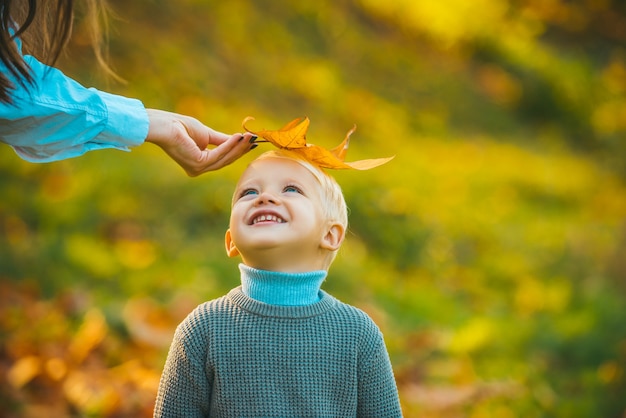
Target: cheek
(234, 225)
(237, 214)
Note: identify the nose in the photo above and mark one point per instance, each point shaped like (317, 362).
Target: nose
(265, 198)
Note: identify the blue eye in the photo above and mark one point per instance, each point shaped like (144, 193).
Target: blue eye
(248, 192)
(292, 189)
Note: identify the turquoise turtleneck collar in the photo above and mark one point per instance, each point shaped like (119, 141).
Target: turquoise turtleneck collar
(278, 288)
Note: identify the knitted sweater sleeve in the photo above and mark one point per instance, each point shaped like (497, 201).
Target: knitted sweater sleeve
(377, 391)
(185, 386)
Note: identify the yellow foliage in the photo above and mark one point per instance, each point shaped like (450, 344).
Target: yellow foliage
(532, 296)
(610, 371)
(16, 230)
(92, 254)
(499, 85)
(483, 212)
(610, 117)
(474, 335)
(135, 254)
(91, 393)
(148, 323)
(316, 80)
(91, 333)
(23, 371)
(56, 368)
(58, 186)
(447, 22)
(133, 371)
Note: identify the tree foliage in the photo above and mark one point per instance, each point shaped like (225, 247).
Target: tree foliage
(490, 250)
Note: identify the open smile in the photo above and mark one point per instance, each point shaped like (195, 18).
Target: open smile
(267, 218)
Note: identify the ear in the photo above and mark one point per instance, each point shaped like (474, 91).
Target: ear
(231, 250)
(334, 237)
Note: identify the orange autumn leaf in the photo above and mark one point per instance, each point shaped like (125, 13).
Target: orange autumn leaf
(292, 137)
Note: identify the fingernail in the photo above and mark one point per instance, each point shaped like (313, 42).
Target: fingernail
(254, 146)
(239, 140)
(254, 138)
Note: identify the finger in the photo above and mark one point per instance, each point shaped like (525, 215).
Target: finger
(225, 154)
(217, 137)
(235, 147)
(220, 138)
(201, 134)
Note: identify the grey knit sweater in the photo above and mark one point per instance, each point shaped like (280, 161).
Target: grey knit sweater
(237, 357)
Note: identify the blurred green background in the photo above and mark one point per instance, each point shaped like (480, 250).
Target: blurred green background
(491, 251)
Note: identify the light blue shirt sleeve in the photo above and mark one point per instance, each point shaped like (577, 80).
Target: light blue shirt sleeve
(57, 118)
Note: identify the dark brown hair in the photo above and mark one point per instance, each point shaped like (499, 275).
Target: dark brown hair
(44, 27)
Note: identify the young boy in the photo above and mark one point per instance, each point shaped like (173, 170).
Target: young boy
(278, 346)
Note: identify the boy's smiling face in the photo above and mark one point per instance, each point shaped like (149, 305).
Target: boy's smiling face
(277, 221)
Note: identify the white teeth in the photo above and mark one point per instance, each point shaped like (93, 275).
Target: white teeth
(272, 218)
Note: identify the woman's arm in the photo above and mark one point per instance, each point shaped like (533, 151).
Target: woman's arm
(56, 118)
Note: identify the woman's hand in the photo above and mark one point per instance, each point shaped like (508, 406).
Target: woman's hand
(185, 140)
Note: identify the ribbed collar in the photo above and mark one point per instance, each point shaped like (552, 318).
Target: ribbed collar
(282, 289)
(325, 304)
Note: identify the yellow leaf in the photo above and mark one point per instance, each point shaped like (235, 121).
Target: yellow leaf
(292, 137)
